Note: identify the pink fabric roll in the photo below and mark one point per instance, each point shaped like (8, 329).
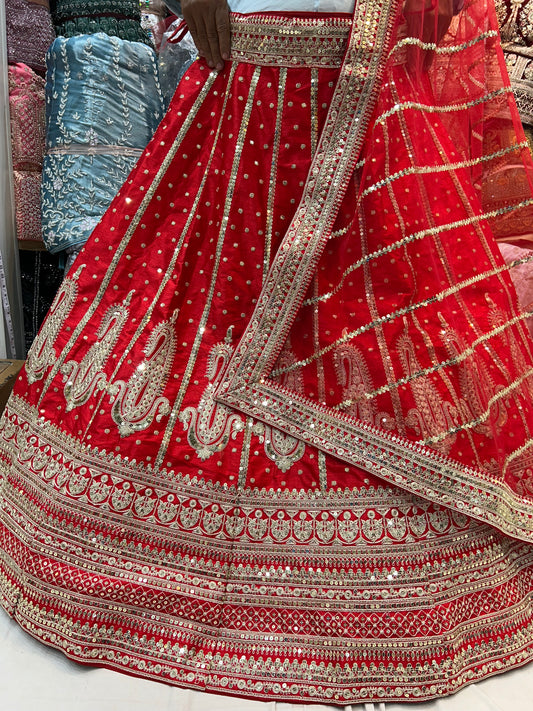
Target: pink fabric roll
(27, 113)
(28, 205)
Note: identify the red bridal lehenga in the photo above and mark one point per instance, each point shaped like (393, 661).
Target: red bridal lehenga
(275, 436)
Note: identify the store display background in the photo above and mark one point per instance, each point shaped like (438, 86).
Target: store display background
(34, 677)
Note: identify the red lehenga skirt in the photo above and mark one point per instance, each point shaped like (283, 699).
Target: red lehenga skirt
(274, 438)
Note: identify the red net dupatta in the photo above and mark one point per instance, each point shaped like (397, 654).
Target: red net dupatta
(388, 332)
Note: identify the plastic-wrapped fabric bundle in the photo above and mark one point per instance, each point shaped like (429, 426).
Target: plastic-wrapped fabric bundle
(29, 32)
(27, 119)
(118, 18)
(103, 103)
(27, 188)
(153, 13)
(176, 55)
(26, 108)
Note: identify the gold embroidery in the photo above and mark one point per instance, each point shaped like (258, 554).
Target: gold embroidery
(365, 602)
(138, 401)
(210, 425)
(432, 415)
(476, 385)
(450, 108)
(83, 378)
(218, 256)
(271, 41)
(133, 225)
(355, 378)
(42, 354)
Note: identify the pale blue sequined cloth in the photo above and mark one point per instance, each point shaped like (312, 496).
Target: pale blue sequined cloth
(103, 104)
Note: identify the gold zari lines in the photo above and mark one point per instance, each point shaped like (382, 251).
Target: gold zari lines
(333, 165)
(449, 108)
(387, 318)
(221, 237)
(430, 169)
(446, 363)
(518, 452)
(145, 321)
(399, 244)
(447, 49)
(273, 172)
(500, 395)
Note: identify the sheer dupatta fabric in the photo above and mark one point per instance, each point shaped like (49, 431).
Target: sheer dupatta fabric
(388, 333)
(308, 237)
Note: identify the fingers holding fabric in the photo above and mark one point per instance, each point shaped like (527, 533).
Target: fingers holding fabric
(209, 25)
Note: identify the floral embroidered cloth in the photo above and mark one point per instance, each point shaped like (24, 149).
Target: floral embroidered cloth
(103, 103)
(119, 18)
(516, 20)
(29, 33)
(27, 119)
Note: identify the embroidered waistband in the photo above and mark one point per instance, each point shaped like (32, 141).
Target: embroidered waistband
(278, 39)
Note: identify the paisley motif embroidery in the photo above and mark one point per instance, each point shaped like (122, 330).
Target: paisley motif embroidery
(516, 351)
(137, 402)
(280, 447)
(354, 377)
(432, 415)
(42, 354)
(476, 383)
(83, 378)
(211, 425)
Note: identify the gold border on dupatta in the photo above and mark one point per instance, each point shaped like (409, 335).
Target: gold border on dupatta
(410, 465)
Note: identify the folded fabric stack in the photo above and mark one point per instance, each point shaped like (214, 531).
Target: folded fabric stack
(117, 18)
(29, 32)
(26, 107)
(516, 27)
(103, 103)
(153, 14)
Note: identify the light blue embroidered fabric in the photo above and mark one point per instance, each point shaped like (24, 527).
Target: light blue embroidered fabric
(103, 104)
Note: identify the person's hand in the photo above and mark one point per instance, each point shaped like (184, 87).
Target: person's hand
(428, 21)
(208, 23)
